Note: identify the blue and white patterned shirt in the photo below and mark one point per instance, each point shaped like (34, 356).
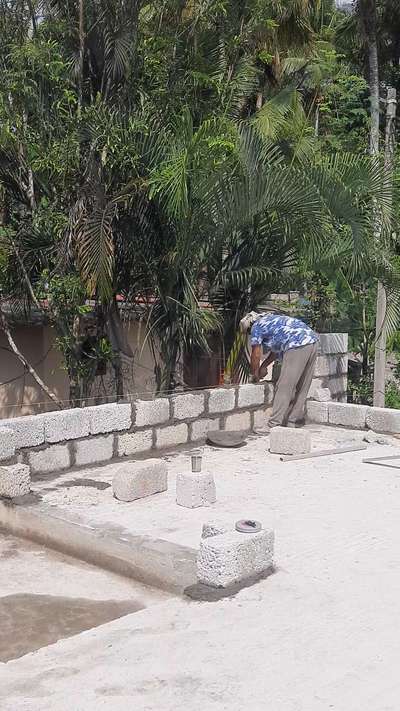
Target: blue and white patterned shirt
(281, 333)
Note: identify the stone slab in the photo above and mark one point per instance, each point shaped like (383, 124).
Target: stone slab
(7, 443)
(239, 422)
(137, 480)
(347, 415)
(94, 449)
(151, 412)
(233, 557)
(317, 412)
(111, 417)
(133, 443)
(187, 406)
(287, 440)
(52, 459)
(172, 435)
(250, 395)
(195, 489)
(383, 419)
(66, 425)
(15, 480)
(221, 400)
(28, 431)
(200, 428)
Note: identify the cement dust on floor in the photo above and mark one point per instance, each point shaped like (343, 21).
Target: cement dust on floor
(46, 596)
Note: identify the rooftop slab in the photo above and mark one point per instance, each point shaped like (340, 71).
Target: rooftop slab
(320, 633)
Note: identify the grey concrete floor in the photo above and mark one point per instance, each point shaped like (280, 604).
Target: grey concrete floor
(46, 596)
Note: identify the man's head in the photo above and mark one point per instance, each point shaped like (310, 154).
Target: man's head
(248, 320)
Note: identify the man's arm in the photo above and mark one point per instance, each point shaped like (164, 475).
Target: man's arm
(255, 358)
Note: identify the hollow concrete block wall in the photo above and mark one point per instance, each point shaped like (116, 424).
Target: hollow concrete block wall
(330, 378)
(56, 441)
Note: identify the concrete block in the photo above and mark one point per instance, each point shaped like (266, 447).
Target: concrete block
(94, 449)
(152, 412)
(172, 435)
(15, 480)
(353, 416)
(234, 557)
(221, 400)
(285, 440)
(134, 442)
(187, 405)
(7, 443)
(200, 428)
(215, 528)
(111, 417)
(66, 425)
(48, 460)
(239, 421)
(135, 480)
(269, 393)
(337, 387)
(251, 395)
(28, 431)
(317, 411)
(195, 489)
(319, 393)
(334, 342)
(330, 365)
(261, 418)
(383, 419)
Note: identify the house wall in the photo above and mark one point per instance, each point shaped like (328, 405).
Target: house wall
(21, 395)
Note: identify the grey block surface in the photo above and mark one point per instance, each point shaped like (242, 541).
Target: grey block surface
(334, 342)
(151, 412)
(200, 428)
(94, 449)
(347, 415)
(51, 459)
(233, 557)
(250, 395)
(238, 422)
(66, 425)
(317, 411)
(383, 419)
(7, 443)
(134, 442)
(15, 481)
(195, 489)
(188, 405)
(215, 528)
(136, 480)
(285, 440)
(221, 400)
(28, 431)
(172, 435)
(110, 417)
(261, 418)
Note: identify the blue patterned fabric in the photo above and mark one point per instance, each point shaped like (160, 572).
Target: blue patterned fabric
(281, 333)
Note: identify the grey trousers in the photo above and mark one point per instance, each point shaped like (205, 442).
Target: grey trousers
(298, 365)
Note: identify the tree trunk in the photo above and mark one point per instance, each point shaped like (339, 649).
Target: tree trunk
(22, 359)
(380, 344)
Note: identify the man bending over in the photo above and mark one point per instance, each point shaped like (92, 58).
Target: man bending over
(296, 345)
